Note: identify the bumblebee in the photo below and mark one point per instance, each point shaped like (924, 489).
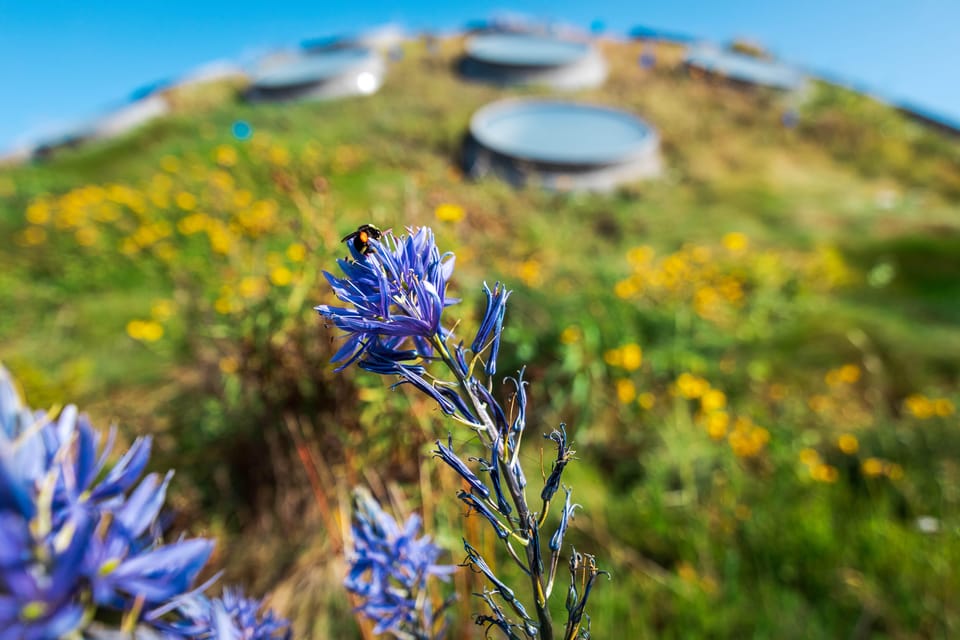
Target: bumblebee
(361, 238)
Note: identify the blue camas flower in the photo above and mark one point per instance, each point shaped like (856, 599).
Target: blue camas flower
(233, 616)
(397, 292)
(389, 569)
(80, 537)
(396, 295)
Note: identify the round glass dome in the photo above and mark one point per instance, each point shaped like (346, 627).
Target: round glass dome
(562, 132)
(525, 50)
(311, 68)
(744, 68)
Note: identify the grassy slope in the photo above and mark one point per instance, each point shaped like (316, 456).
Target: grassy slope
(701, 542)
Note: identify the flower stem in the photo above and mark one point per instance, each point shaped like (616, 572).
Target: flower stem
(517, 495)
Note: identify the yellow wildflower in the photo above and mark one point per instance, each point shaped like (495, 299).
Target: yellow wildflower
(145, 331)
(848, 444)
(281, 276)
(220, 240)
(613, 357)
(691, 386)
(849, 373)
(686, 572)
(448, 212)
(225, 155)
(186, 201)
(640, 255)
(893, 471)
(296, 252)
(33, 236)
(194, 223)
(631, 356)
(626, 391)
(920, 406)
(571, 334)
(646, 400)
(38, 212)
(151, 331)
(872, 467)
(717, 423)
(809, 457)
(279, 156)
(736, 242)
(229, 364)
(223, 305)
(252, 286)
(530, 272)
(713, 400)
(824, 473)
(625, 289)
(135, 329)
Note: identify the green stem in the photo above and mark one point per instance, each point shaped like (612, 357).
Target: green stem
(513, 487)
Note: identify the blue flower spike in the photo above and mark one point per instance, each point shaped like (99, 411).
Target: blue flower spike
(395, 297)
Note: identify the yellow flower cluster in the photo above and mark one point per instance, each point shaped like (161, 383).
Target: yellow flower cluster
(691, 274)
(924, 408)
(842, 401)
(145, 330)
(152, 330)
(248, 251)
(628, 357)
(844, 375)
(877, 467)
(79, 212)
(717, 281)
(745, 438)
(818, 469)
(690, 386)
(190, 200)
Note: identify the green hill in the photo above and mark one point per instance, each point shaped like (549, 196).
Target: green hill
(757, 355)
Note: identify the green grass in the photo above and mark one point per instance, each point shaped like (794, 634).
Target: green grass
(701, 542)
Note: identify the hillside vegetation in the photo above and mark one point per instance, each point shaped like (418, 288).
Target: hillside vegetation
(757, 355)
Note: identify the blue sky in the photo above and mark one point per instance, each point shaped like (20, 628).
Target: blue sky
(64, 61)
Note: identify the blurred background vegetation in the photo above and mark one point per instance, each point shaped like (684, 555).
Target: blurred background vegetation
(757, 355)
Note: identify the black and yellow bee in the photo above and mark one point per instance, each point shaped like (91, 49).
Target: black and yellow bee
(361, 238)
